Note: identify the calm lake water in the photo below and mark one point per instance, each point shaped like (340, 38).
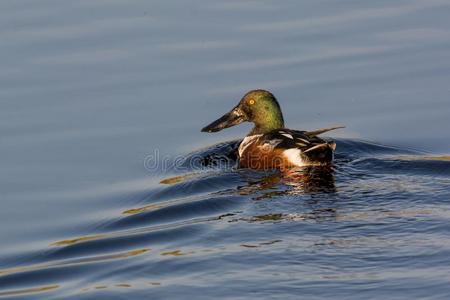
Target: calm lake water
(100, 99)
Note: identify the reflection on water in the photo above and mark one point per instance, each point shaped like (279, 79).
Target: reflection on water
(90, 90)
(28, 291)
(68, 263)
(307, 180)
(212, 206)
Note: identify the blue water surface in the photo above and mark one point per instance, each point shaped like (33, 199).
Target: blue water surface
(108, 189)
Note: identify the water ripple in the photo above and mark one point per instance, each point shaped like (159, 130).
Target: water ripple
(345, 19)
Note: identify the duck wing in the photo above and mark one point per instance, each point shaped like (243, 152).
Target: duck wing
(301, 147)
(290, 139)
(323, 130)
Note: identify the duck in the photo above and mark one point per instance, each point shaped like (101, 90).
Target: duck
(269, 145)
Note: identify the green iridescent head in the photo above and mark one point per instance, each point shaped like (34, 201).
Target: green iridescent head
(257, 106)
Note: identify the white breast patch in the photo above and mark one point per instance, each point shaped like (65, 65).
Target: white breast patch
(247, 141)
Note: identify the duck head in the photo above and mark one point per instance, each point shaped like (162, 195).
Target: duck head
(259, 107)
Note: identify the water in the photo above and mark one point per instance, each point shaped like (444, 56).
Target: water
(92, 91)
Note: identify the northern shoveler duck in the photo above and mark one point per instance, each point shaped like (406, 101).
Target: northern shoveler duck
(269, 145)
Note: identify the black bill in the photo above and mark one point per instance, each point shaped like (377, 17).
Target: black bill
(232, 118)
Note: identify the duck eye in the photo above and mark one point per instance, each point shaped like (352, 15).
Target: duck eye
(251, 102)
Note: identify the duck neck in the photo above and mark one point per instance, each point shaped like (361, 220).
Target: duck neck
(267, 126)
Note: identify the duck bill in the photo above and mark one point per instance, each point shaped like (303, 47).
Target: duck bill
(232, 118)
